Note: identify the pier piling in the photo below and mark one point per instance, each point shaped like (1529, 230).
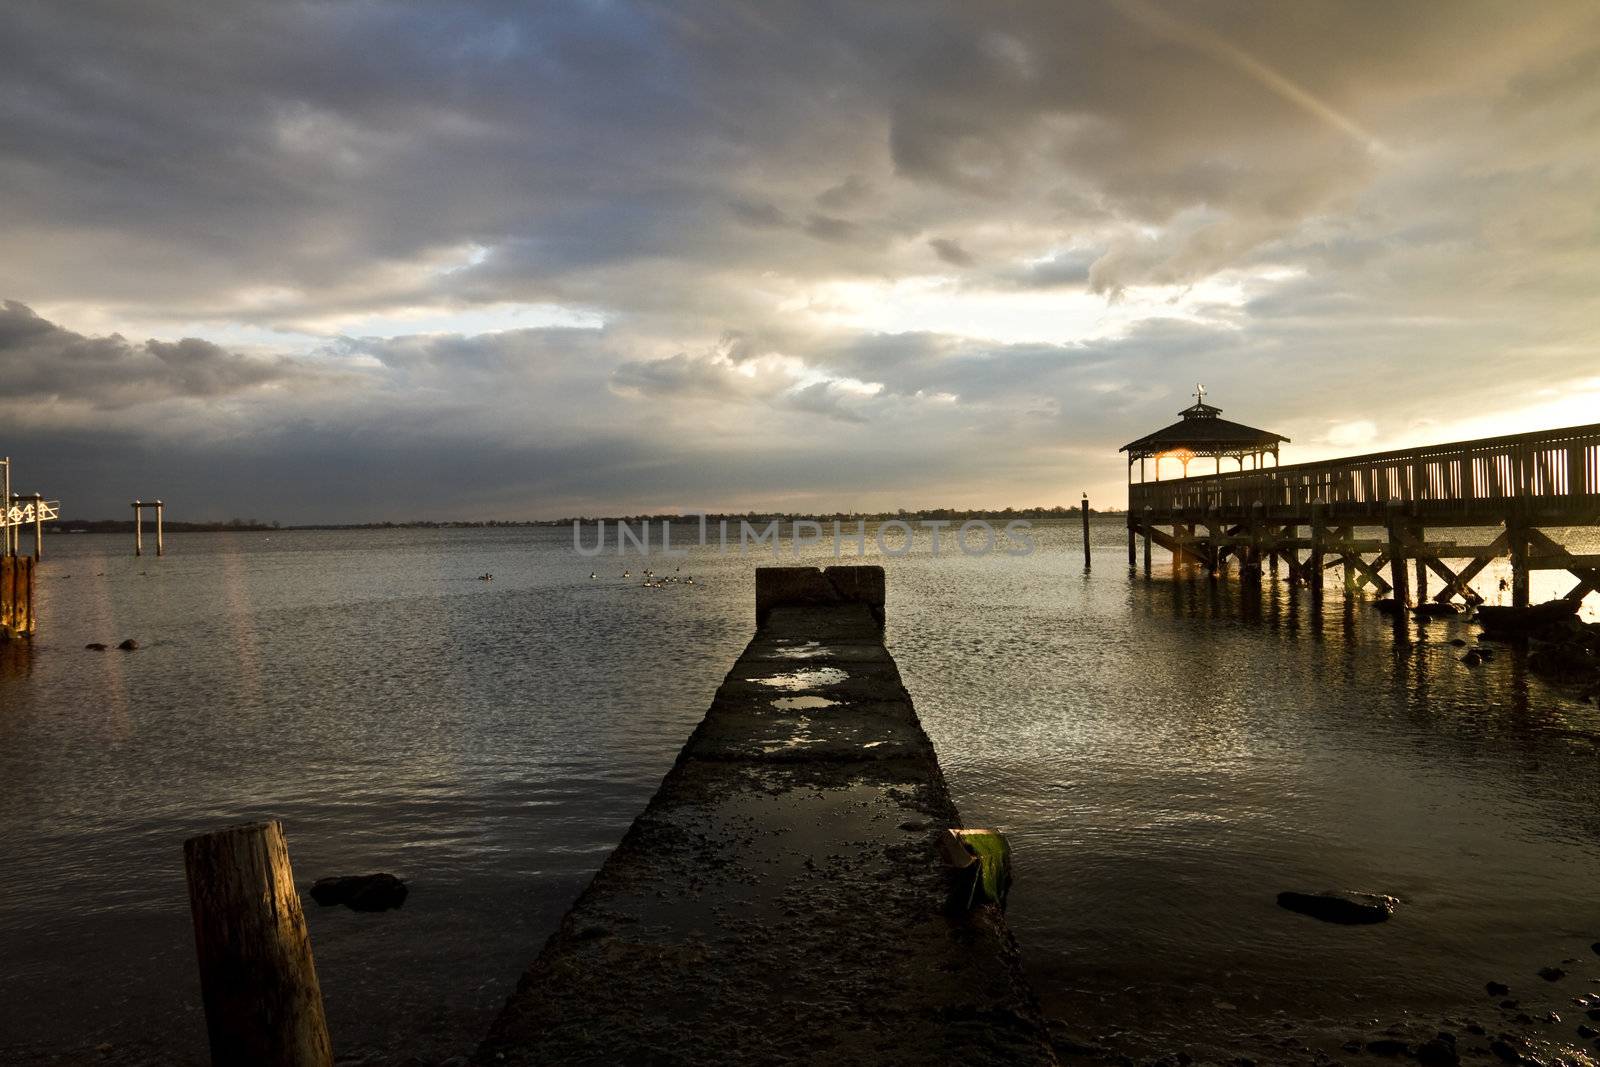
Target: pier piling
(263, 1004)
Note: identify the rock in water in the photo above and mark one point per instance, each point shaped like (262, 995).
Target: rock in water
(94, 646)
(360, 892)
(130, 645)
(1438, 1053)
(1335, 906)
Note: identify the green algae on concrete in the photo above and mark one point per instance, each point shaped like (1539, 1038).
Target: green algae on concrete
(782, 899)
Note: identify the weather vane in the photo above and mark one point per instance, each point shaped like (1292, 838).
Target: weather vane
(1199, 393)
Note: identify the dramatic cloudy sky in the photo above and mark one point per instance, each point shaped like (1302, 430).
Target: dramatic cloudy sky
(342, 261)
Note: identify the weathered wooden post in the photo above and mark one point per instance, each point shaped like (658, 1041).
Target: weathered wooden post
(38, 526)
(1148, 512)
(5, 509)
(1397, 555)
(263, 1003)
(1517, 535)
(1084, 507)
(138, 529)
(1319, 542)
(1419, 534)
(161, 548)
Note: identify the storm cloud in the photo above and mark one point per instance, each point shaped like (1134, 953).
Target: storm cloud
(585, 257)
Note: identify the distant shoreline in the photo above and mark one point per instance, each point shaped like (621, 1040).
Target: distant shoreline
(125, 526)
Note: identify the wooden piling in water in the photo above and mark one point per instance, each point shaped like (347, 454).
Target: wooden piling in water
(263, 1004)
(1517, 535)
(1397, 556)
(17, 616)
(1147, 531)
(1084, 508)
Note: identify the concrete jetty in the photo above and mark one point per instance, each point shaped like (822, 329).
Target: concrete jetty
(782, 898)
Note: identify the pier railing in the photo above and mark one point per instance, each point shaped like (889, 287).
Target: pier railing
(1555, 466)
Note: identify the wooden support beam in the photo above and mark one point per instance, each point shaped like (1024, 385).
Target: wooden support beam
(1517, 535)
(1148, 526)
(1415, 534)
(1319, 539)
(1397, 556)
(1371, 572)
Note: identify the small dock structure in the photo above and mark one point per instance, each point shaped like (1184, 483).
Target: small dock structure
(19, 513)
(19, 617)
(1376, 517)
(784, 897)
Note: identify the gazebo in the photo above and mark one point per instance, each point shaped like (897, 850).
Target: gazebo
(1201, 432)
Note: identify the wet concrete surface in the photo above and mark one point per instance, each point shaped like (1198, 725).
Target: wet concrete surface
(781, 899)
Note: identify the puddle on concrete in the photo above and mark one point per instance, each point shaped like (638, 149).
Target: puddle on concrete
(779, 744)
(803, 703)
(801, 650)
(807, 679)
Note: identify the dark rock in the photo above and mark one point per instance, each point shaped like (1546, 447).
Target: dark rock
(1596, 948)
(1505, 1051)
(130, 645)
(1334, 906)
(1474, 1029)
(1497, 989)
(94, 646)
(1388, 1046)
(1386, 605)
(1437, 1052)
(1586, 1030)
(1552, 974)
(1472, 659)
(1594, 1013)
(1552, 1017)
(360, 892)
(1458, 642)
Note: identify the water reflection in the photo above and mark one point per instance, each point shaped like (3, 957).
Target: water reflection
(1166, 755)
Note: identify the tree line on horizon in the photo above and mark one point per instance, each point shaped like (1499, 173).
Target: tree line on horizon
(904, 514)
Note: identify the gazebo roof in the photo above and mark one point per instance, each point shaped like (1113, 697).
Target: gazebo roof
(1202, 433)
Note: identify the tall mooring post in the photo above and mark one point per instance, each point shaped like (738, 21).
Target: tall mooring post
(1084, 508)
(258, 981)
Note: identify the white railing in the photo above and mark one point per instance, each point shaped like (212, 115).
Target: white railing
(22, 512)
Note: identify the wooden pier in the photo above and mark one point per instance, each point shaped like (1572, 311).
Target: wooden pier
(1389, 520)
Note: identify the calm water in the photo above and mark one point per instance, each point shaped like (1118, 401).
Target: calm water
(1166, 756)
